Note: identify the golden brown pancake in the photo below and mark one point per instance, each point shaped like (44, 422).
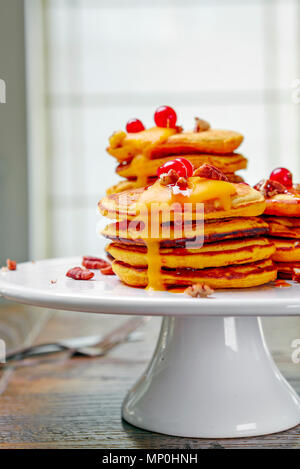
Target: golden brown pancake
(211, 231)
(141, 182)
(287, 250)
(125, 146)
(211, 255)
(284, 205)
(211, 141)
(283, 227)
(156, 142)
(243, 200)
(148, 167)
(239, 276)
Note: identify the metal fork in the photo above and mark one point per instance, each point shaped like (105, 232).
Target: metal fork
(91, 346)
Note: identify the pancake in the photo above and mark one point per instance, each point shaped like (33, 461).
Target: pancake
(241, 200)
(210, 141)
(287, 250)
(210, 255)
(240, 276)
(124, 146)
(148, 167)
(157, 142)
(286, 269)
(141, 182)
(210, 231)
(125, 186)
(285, 227)
(284, 205)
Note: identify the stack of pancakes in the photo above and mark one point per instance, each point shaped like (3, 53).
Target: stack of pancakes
(139, 155)
(223, 247)
(283, 217)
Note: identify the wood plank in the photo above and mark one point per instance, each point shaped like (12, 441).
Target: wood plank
(63, 403)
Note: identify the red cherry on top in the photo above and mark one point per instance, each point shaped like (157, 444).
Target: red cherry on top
(134, 125)
(176, 165)
(165, 116)
(282, 175)
(189, 166)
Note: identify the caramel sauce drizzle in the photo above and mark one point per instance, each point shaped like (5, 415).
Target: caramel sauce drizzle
(138, 164)
(199, 190)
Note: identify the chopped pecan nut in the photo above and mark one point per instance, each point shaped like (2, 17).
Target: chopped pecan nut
(11, 265)
(107, 270)
(178, 129)
(199, 290)
(91, 262)
(182, 182)
(171, 177)
(269, 188)
(236, 179)
(296, 275)
(201, 125)
(296, 187)
(210, 172)
(79, 273)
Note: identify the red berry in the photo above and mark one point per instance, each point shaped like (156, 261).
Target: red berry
(282, 175)
(165, 116)
(176, 165)
(134, 125)
(188, 165)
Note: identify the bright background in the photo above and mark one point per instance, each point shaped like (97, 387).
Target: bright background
(230, 62)
(93, 64)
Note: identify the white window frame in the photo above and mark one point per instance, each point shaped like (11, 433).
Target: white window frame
(36, 76)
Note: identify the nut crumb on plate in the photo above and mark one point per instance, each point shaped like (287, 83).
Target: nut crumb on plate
(107, 270)
(80, 273)
(199, 290)
(296, 275)
(11, 265)
(171, 177)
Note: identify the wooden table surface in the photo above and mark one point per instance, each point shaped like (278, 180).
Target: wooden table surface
(76, 403)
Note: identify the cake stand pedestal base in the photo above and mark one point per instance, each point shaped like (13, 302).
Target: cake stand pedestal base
(212, 377)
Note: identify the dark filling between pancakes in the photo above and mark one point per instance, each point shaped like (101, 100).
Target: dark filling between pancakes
(229, 272)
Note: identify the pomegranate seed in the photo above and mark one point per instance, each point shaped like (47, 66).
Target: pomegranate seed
(176, 165)
(282, 175)
(11, 265)
(134, 125)
(165, 116)
(78, 273)
(189, 166)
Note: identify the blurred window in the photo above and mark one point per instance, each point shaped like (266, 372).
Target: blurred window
(233, 63)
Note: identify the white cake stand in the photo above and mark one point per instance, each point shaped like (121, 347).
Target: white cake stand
(211, 375)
